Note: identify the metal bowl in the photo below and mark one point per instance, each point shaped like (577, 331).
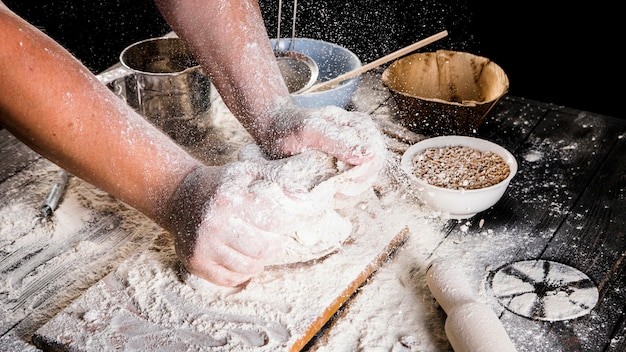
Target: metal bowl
(299, 71)
(332, 60)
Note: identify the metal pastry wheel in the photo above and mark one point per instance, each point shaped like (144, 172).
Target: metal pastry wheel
(544, 290)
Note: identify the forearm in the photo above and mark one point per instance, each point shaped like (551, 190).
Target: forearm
(229, 40)
(56, 106)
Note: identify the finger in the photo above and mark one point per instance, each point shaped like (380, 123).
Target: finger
(209, 255)
(218, 274)
(351, 137)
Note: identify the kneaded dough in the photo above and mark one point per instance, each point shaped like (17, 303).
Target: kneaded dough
(314, 178)
(314, 238)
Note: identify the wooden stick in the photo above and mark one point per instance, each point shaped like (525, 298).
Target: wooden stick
(378, 62)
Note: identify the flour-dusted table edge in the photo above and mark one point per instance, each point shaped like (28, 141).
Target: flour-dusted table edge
(144, 305)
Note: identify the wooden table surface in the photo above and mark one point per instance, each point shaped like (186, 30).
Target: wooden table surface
(567, 204)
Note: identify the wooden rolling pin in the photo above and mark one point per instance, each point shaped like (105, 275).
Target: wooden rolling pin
(471, 326)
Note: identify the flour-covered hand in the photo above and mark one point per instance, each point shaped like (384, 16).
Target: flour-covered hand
(228, 222)
(352, 137)
(212, 236)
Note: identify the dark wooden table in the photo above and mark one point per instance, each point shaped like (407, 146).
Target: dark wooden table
(567, 204)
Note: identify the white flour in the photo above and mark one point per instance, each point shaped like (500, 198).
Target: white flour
(260, 317)
(84, 204)
(44, 265)
(393, 311)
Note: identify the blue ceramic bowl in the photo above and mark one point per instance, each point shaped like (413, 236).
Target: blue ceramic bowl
(332, 60)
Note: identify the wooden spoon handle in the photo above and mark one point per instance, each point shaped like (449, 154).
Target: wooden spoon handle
(378, 62)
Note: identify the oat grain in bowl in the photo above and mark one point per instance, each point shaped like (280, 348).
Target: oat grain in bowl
(462, 176)
(460, 167)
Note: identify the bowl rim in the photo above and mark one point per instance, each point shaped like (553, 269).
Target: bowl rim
(457, 140)
(386, 79)
(334, 45)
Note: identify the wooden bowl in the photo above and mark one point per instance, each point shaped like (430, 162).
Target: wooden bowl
(445, 92)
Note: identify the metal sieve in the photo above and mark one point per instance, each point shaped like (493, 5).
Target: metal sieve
(299, 71)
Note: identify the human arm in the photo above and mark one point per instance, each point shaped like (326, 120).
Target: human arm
(54, 104)
(229, 40)
(51, 102)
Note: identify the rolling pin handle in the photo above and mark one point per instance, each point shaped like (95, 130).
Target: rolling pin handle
(470, 326)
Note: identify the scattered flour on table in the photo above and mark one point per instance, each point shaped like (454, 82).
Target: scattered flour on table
(146, 300)
(393, 311)
(45, 265)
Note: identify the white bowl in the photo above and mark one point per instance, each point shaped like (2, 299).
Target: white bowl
(458, 203)
(332, 60)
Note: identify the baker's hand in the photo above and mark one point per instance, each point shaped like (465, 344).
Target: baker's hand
(352, 137)
(227, 222)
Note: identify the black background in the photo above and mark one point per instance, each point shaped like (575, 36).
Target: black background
(567, 55)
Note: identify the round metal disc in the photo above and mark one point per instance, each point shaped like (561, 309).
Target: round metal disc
(544, 290)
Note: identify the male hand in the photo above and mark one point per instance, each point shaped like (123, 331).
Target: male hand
(228, 222)
(352, 137)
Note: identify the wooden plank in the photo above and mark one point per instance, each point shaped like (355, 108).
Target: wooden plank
(617, 343)
(593, 240)
(282, 308)
(511, 120)
(13, 342)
